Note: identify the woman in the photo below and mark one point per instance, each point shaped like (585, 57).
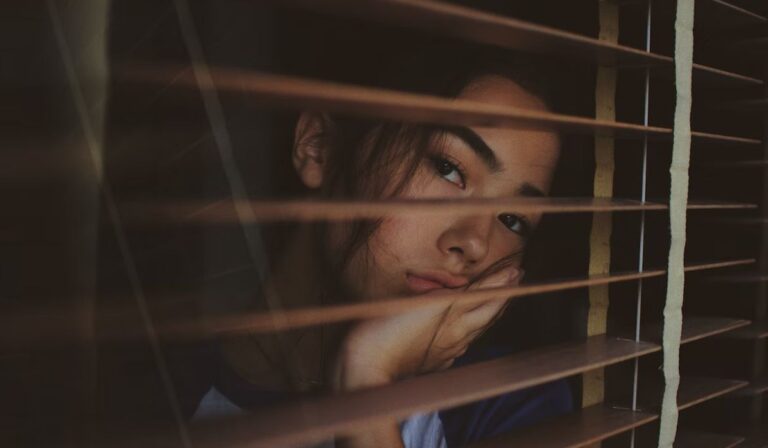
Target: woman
(400, 255)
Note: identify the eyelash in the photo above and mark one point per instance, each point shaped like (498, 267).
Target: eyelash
(441, 163)
(524, 229)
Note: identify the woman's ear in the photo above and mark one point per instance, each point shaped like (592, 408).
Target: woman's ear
(309, 148)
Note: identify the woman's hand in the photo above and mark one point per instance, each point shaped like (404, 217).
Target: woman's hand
(381, 350)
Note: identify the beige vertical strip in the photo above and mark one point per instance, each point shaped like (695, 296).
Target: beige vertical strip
(678, 202)
(600, 238)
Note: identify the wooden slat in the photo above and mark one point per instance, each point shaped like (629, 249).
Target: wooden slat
(724, 138)
(755, 105)
(754, 44)
(47, 328)
(260, 322)
(737, 164)
(757, 435)
(289, 319)
(712, 75)
(756, 387)
(743, 221)
(754, 331)
(305, 94)
(311, 420)
(754, 442)
(710, 14)
(505, 32)
(695, 328)
(586, 427)
(720, 13)
(695, 439)
(316, 419)
(694, 391)
(699, 205)
(746, 277)
(484, 28)
(599, 422)
(226, 211)
(717, 265)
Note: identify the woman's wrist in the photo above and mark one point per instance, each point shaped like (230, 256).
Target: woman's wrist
(352, 371)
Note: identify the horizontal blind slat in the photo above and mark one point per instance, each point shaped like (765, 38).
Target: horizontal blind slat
(505, 32)
(49, 328)
(756, 387)
(754, 331)
(699, 390)
(724, 138)
(695, 439)
(588, 426)
(225, 211)
(736, 10)
(291, 319)
(316, 419)
(705, 327)
(750, 105)
(601, 421)
(305, 94)
(746, 277)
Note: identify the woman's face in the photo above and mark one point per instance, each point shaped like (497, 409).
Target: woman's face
(417, 254)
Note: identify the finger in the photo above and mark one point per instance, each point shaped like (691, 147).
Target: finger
(456, 322)
(483, 316)
(506, 277)
(473, 335)
(445, 365)
(499, 279)
(496, 280)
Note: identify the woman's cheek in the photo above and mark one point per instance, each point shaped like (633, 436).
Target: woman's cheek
(404, 242)
(398, 239)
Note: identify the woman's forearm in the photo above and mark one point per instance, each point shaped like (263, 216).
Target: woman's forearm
(381, 436)
(349, 374)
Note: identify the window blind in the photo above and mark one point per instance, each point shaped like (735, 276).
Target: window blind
(180, 170)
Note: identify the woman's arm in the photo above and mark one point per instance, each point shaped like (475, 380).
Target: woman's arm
(379, 351)
(350, 375)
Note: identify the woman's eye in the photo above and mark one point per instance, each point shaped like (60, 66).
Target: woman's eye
(515, 223)
(449, 171)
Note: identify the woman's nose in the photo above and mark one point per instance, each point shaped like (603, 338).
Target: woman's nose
(467, 239)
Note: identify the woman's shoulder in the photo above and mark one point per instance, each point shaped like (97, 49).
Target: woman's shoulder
(459, 426)
(500, 414)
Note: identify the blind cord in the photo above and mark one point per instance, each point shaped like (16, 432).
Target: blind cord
(643, 192)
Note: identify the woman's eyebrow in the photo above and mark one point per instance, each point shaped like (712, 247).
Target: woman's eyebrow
(477, 144)
(530, 190)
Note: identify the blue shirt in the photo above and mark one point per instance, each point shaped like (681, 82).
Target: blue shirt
(459, 426)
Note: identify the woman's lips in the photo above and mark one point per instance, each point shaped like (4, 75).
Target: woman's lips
(421, 284)
(425, 282)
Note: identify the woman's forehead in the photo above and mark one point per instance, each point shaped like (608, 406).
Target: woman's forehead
(526, 156)
(535, 146)
(501, 91)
